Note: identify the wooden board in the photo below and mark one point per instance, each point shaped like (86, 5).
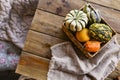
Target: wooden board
(115, 4)
(46, 31)
(60, 7)
(34, 66)
(39, 43)
(48, 24)
(111, 16)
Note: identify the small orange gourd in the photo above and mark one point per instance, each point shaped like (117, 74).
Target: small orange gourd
(92, 46)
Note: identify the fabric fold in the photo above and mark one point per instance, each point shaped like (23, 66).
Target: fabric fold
(68, 65)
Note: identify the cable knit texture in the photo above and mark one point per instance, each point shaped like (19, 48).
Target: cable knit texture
(66, 64)
(15, 19)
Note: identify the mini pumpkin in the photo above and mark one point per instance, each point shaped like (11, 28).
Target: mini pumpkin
(92, 46)
(76, 20)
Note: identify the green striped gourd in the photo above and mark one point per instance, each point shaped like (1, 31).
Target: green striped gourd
(100, 32)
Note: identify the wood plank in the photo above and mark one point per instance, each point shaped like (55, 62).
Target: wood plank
(60, 7)
(48, 23)
(44, 24)
(115, 4)
(39, 44)
(111, 16)
(33, 66)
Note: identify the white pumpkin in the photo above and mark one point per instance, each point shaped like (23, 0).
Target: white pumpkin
(76, 20)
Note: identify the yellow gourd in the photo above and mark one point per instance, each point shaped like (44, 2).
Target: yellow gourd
(82, 35)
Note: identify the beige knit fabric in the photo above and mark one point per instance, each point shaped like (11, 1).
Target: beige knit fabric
(65, 64)
(15, 19)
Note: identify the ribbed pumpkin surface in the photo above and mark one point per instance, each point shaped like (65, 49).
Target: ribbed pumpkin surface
(76, 20)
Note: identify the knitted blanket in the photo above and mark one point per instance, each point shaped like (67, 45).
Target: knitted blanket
(15, 20)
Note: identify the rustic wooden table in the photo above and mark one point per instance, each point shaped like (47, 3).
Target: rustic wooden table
(46, 31)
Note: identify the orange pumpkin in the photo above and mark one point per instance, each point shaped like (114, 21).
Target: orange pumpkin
(92, 46)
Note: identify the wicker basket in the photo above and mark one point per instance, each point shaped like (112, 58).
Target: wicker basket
(79, 44)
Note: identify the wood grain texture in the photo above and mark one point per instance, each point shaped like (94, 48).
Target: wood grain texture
(33, 66)
(46, 31)
(48, 23)
(60, 7)
(39, 43)
(111, 16)
(115, 4)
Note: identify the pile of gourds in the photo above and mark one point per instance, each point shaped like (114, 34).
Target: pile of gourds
(88, 27)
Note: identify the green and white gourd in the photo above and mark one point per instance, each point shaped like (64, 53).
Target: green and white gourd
(76, 20)
(87, 10)
(93, 15)
(100, 32)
